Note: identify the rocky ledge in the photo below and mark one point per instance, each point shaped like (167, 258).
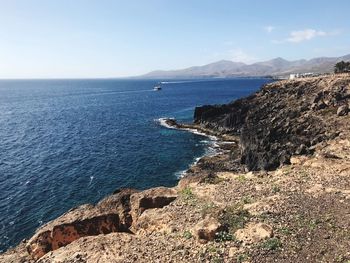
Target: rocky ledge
(279, 191)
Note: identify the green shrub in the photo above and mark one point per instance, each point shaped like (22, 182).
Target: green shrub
(187, 193)
(241, 258)
(272, 244)
(234, 217)
(223, 236)
(187, 234)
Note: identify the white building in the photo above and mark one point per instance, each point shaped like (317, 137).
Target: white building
(293, 76)
(302, 75)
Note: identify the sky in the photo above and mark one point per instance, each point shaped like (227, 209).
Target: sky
(112, 38)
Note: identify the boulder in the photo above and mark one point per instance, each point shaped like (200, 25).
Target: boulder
(206, 229)
(343, 110)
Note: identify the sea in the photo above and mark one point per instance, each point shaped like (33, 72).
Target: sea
(64, 143)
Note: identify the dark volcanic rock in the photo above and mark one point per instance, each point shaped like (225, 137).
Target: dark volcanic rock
(281, 119)
(225, 118)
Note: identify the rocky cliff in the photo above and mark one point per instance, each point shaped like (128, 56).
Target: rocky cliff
(293, 206)
(282, 119)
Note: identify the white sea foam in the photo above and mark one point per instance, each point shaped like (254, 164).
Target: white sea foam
(227, 142)
(195, 131)
(212, 149)
(182, 173)
(162, 122)
(91, 179)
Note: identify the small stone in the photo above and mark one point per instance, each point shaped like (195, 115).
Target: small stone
(258, 187)
(343, 110)
(232, 252)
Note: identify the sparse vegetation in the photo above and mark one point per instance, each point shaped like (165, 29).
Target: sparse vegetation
(304, 175)
(223, 236)
(287, 170)
(242, 258)
(214, 180)
(187, 234)
(285, 231)
(187, 193)
(217, 260)
(272, 244)
(234, 217)
(247, 200)
(241, 178)
(313, 224)
(208, 208)
(215, 254)
(342, 67)
(275, 189)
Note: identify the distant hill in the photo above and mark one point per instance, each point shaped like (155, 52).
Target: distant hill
(274, 67)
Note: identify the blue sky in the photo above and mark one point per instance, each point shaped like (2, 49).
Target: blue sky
(82, 38)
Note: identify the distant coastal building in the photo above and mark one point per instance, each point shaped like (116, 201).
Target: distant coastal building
(302, 75)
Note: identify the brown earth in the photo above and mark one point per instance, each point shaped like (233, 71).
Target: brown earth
(220, 212)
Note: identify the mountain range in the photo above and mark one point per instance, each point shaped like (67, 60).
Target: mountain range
(274, 67)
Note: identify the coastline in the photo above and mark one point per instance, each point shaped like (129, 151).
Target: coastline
(223, 211)
(215, 146)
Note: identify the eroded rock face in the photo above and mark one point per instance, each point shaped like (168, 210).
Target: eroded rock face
(119, 203)
(112, 214)
(115, 213)
(63, 234)
(282, 119)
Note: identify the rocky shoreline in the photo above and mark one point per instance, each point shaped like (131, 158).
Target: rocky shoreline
(278, 192)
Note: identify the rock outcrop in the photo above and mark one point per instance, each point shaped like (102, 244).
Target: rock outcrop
(60, 235)
(281, 119)
(116, 213)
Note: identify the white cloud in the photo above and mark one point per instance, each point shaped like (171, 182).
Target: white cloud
(238, 55)
(299, 36)
(269, 29)
(303, 35)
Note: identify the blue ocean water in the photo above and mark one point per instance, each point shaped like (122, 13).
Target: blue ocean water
(68, 142)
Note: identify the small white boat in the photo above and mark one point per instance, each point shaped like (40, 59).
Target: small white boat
(157, 87)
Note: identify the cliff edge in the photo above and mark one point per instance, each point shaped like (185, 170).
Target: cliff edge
(279, 191)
